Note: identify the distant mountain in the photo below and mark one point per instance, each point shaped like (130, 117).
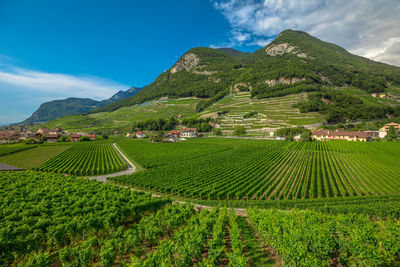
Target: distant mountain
(70, 106)
(294, 62)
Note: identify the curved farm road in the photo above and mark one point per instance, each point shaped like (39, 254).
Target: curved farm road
(131, 169)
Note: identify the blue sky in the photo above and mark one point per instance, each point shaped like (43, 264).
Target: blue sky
(55, 49)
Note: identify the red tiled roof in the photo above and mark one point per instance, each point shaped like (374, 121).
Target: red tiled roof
(175, 132)
(52, 136)
(139, 132)
(189, 129)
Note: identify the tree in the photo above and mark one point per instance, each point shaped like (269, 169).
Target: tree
(205, 127)
(104, 136)
(43, 138)
(391, 135)
(239, 131)
(217, 131)
(305, 136)
(85, 138)
(64, 139)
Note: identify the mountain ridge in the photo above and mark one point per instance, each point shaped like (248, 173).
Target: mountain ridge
(73, 105)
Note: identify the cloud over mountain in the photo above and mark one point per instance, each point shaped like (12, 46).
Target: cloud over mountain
(365, 27)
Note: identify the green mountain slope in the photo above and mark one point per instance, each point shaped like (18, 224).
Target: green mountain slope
(294, 62)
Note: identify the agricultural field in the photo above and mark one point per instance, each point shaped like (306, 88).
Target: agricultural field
(8, 149)
(272, 113)
(51, 220)
(30, 158)
(85, 159)
(266, 170)
(124, 117)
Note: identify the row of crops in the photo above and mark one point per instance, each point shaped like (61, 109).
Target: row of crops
(52, 220)
(49, 219)
(85, 159)
(255, 170)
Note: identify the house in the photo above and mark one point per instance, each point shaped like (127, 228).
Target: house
(52, 138)
(140, 134)
(189, 132)
(383, 131)
(130, 134)
(378, 95)
(92, 137)
(76, 137)
(343, 135)
(175, 134)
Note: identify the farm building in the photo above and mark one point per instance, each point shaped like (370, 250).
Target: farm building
(76, 137)
(383, 131)
(140, 134)
(344, 135)
(52, 138)
(189, 132)
(92, 137)
(175, 134)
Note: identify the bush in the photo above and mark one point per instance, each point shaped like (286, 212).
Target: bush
(239, 131)
(217, 132)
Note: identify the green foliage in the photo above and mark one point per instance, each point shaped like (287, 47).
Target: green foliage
(339, 107)
(202, 125)
(217, 131)
(77, 206)
(308, 238)
(305, 136)
(286, 132)
(64, 138)
(250, 114)
(156, 124)
(85, 138)
(239, 131)
(391, 134)
(85, 159)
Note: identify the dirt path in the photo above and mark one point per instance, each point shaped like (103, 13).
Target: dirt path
(131, 169)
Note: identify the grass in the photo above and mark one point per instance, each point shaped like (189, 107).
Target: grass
(33, 157)
(124, 117)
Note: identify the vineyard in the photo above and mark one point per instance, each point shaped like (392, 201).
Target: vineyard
(52, 220)
(266, 170)
(85, 159)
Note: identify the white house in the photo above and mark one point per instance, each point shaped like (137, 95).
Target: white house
(189, 132)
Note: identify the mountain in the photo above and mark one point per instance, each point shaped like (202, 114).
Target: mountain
(70, 106)
(233, 52)
(294, 62)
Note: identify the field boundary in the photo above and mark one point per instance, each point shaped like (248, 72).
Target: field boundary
(131, 168)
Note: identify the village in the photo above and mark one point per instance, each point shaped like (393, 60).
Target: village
(56, 135)
(43, 135)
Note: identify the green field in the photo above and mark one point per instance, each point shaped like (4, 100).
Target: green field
(123, 118)
(9, 149)
(30, 158)
(85, 159)
(265, 170)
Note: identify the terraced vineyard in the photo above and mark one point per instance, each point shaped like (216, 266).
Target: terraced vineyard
(85, 159)
(268, 170)
(272, 113)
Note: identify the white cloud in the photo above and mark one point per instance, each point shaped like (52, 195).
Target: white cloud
(369, 28)
(23, 90)
(62, 85)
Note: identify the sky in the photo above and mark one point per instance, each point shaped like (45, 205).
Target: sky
(92, 48)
